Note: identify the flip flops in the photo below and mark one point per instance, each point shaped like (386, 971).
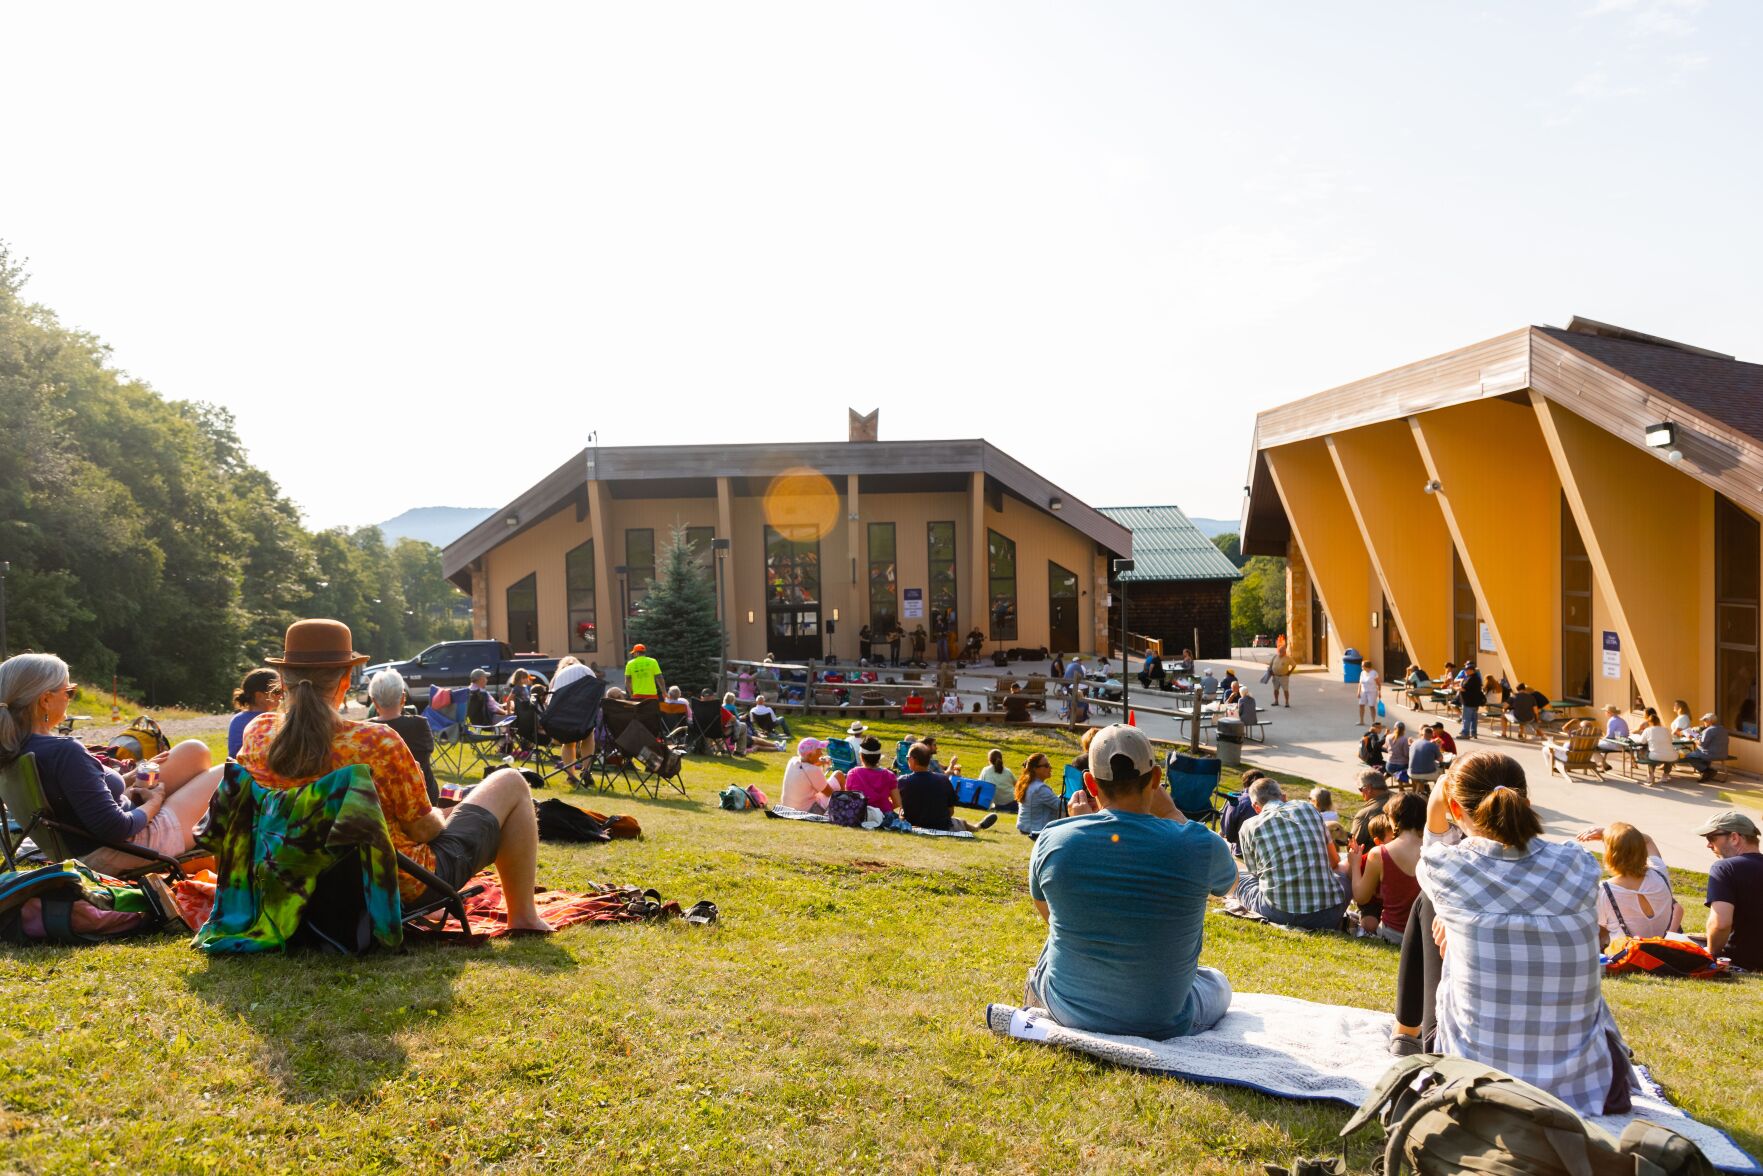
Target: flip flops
(702, 914)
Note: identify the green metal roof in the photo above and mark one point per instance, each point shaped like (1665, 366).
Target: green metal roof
(1166, 546)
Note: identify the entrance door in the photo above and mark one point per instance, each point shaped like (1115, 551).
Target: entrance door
(1318, 631)
(523, 615)
(1395, 653)
(792, 593)
(1061, 608)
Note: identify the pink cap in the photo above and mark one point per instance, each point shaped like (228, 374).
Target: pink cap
(808, 745)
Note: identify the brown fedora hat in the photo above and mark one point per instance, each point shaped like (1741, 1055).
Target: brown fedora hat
(318, 644)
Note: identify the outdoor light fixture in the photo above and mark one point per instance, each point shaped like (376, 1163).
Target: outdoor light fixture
(1374, 620)
(511, 521)
(1055, 503)
(1662, 435)
(835, 614)
(1433, 487)
(719, 545)
(749, 616)
(1674, 456)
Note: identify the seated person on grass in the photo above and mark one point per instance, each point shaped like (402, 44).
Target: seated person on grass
(1285, 849)
(308, 738)
(880, 787)
(954, 768)
(1735, 890)
(1371, 746)
(1323, 799)
(1123, 889)
(927, 798)
(1383, 879)
(1636, 900)
(35, 689)
(806, 785)
(765, 719)
(1374, 794)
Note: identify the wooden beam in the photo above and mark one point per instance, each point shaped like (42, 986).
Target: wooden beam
(1328, 535)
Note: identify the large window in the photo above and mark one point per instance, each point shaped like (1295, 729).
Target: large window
(639, 563)
(578, 588)
(1464, 630)
(1576, 612)
(884, 594)
(1001, 574)
(1736, 570)
(792, 592)
(1062, 599)
(523, 614)
(943, 611)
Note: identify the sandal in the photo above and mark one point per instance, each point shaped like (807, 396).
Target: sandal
(702, 914)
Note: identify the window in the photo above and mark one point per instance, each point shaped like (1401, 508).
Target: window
(1464, 630)
(1062, 600)
(639, 562)
(523, 614)
(792, 568)
(1576, 612)
(698, 539)
(1736, 571)
(1001, 573)
(942, 577)
(578, 589)
(884, 595)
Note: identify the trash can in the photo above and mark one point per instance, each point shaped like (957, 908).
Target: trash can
(1230, 742)
(1352, 662)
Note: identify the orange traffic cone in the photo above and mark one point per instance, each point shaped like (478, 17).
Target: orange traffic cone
(1132, 718)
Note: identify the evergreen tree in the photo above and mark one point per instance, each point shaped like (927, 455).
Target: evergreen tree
(677, 621)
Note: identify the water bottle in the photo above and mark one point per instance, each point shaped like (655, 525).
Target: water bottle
(146, 773)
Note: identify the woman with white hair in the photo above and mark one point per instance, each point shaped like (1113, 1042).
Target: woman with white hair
(161, 814)
(388, 692)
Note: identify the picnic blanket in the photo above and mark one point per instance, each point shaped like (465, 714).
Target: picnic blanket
(488, 909)
(1297, 1049)
(790, 814)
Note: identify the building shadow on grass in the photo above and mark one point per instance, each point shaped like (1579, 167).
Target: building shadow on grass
(329, 1027)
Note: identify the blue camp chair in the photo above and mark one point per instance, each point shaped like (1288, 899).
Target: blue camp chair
(1070, 785)
(1193, 781)
(901, 767)
(840, 754)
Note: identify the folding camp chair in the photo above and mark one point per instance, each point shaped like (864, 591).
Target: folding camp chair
(1193, 782)
(25, 812)
(446, 719)
(637, 754)
(901, 764)
(490, 740)
(1070, 785)
(703, 728)
(840, 754)
(572, 714)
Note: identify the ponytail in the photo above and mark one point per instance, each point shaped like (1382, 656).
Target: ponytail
(301, 746)
(1026, 776)
(255, 683)
(1492, 789)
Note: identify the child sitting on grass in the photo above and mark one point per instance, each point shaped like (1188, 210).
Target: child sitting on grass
(1323, 799)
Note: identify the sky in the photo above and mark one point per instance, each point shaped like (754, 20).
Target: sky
(421, 251)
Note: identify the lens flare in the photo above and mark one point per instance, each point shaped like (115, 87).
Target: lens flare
(802, 499)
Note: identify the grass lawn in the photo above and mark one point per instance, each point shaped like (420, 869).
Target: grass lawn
(832, 1021)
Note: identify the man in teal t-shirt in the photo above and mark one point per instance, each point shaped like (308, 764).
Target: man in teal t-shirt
(642, 674)
(1123, 890)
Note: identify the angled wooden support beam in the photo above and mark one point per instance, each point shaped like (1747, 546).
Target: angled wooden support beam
(1329, 538)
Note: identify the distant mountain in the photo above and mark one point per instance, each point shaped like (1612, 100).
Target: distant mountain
(439, 525)
(1214, 527)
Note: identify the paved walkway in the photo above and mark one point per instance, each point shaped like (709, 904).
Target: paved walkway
(1318, 738)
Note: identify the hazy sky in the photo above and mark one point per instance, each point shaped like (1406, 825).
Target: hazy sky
(422, 250)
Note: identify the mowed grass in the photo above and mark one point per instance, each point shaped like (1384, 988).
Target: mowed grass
(833, 1020)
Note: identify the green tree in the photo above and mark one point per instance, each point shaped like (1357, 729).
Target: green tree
(677, 618)
(1231, 546)
(1258, 600)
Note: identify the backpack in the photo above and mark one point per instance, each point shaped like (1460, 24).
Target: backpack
(847, 808)
(1464, 1117)
(64, 902)
(561, 821)
(757, 798)
(734, 798)
(1665, 957)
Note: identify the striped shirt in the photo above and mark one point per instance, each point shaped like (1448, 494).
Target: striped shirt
(1285, 846)
(1519, 989)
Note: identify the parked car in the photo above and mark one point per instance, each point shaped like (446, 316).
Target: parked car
(450, 663)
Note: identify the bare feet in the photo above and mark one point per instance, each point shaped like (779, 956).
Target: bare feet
(530, 926)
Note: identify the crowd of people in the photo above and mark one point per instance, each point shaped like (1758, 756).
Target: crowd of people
(1499, 929)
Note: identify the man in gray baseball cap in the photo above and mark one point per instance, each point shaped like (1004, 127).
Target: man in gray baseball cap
(1735, 890)
(1122, 884)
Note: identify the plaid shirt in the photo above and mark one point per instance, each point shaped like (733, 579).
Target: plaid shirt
(1285, 846)
(1520, 986)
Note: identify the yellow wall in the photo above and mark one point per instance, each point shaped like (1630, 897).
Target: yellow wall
(540, 550)
(1404, 532)
(1041, 539)
(1502, 502)
(1328, 535)
(1624, 498)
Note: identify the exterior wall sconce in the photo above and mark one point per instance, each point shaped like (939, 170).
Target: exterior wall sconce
(1374, 619)
(749, 616)
(835, 614)
(1433, 487)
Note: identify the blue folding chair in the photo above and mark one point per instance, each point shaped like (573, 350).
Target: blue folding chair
(1070, 785)
(901, 767)
(446, 719)
(1193, 781)
(841, 755)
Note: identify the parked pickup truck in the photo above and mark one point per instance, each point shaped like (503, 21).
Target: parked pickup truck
(450, 663)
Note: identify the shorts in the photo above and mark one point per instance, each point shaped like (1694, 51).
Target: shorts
(467, 844)
(162, 834)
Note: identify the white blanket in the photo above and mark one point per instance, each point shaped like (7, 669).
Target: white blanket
(1296, 1049)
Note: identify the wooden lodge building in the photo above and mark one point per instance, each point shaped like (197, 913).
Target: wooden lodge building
(1574, 508)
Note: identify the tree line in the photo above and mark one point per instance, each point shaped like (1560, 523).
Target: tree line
(142, 541)
(1258, 600)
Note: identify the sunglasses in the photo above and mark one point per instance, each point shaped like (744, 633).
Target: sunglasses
(70, 690)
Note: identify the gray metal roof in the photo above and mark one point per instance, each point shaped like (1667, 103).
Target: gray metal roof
(1166, 546)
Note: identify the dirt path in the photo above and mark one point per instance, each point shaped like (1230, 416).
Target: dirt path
(194, 727)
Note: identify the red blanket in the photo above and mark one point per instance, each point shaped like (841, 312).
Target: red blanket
(488, 909)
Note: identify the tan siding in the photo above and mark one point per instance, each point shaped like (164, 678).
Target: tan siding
(539, 549)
